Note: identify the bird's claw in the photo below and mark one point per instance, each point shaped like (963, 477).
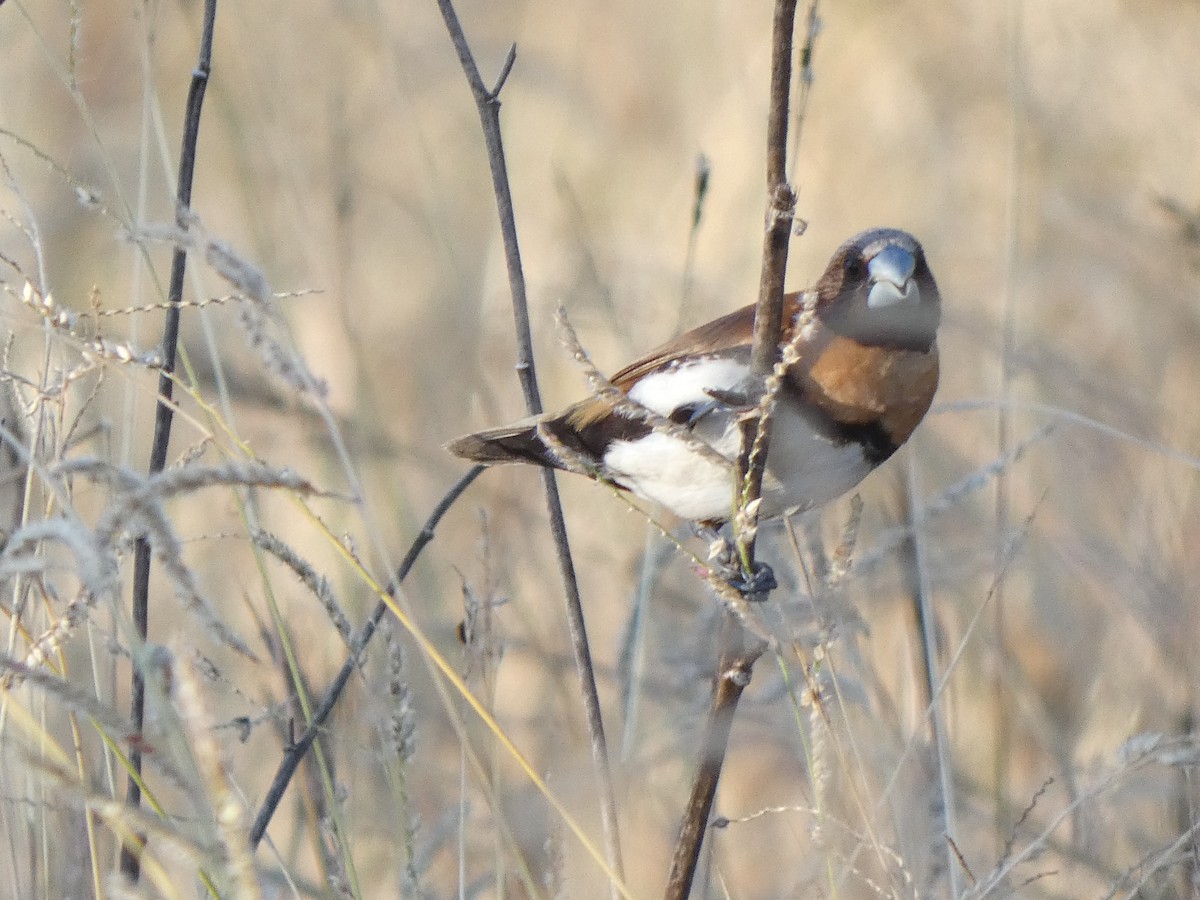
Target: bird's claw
(757, 585)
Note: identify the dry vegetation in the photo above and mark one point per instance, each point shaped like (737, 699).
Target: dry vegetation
(1045, 153)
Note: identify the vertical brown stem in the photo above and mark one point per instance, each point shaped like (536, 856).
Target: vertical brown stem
(781, 209)
(736, 659)
(735, 667)
(164, 415)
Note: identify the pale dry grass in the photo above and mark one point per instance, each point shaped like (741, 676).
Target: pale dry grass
(340, 152)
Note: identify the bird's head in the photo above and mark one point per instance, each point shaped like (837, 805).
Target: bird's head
(878, 290)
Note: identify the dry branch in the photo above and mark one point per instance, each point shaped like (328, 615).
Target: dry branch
(737, 658)
(487, 103)
(164, 411)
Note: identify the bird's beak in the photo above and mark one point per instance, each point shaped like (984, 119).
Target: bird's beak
(892, 278)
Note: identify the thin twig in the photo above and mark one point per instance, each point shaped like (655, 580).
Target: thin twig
(164, 411)
(736, 658)
(699, 195)
(296, 752)
(733, 675)
(937, 719)
(487, 103)
(1003, 751)
(781, 211)
(768, 317)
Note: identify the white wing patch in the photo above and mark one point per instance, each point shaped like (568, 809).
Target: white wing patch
(689, 382)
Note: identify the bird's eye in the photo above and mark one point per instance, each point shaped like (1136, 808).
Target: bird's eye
(854, 267)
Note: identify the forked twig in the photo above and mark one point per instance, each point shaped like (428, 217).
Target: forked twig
(487, 103)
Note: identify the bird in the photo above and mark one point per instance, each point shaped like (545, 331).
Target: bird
(863, 375)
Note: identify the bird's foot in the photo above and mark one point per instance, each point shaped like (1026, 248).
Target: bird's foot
(757, 585)
(727, 565)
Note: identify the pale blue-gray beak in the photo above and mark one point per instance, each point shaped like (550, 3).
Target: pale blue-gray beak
(892, 278)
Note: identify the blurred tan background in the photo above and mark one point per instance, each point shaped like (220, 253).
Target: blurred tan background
(1047, 155)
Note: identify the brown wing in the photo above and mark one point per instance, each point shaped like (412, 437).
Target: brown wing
(589, 426)
(735, 329)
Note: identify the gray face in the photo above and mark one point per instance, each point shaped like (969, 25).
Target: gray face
(887, 295)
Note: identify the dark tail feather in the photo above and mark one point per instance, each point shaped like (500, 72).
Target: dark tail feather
(513, 443)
